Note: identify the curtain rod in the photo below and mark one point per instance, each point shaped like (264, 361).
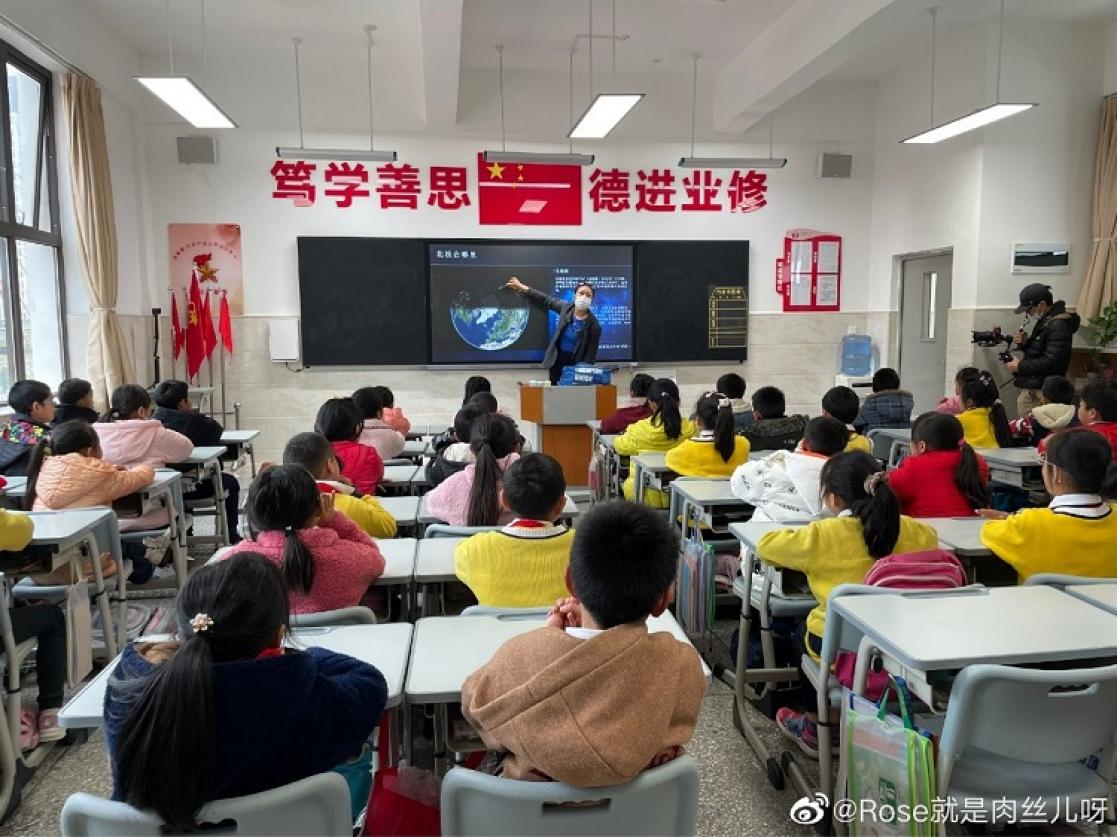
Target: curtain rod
(53, 53)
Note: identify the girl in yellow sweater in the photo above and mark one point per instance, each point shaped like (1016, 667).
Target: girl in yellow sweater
(841, 550)
(664, 429)
(717, 450)
(983, 418)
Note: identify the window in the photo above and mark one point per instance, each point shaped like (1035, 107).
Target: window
(32, 334)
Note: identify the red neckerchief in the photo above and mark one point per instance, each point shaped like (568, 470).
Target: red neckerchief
(326, 488)
(530, 523)
(268, 653)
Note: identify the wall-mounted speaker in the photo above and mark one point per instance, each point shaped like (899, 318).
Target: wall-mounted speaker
(197, 150)
(834, 165)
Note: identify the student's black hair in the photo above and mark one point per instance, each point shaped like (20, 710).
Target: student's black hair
(173, 724)
(983, 392)
(126, 400)
(368, 402)
(483, 399)
(732, 385)
(853, 478)
(826, 435)
(1086, 458)
(640, 384)
(1058, 390)
(842, 403)
(966, 373)
(533, 485)
(715, 413)
(339, 420)
(73, 390)
(282, 499)
(491, 438)
(170, 394)
(769, 402)
(886, 379)
(581, 285)
(942, 432)
(664, 399)
(464, 418)
(26, 394)
(475, 384)
(64, 438)
(622, 561)
(1101, 396)
(308, 450)
(387, 397)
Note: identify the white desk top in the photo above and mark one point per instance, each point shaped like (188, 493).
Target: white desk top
(163, 476)
(415, 447)
(16, 487)
(399, 474)
(651, 461)
(608, 439)
(1002, 625)
(399, 560)
(55, 528)
(199, 390)
(750, 532)
(707, 492)
(385, 646)
(434, 560)
(447, 649)
(405, 510)
(1099, 595)
(201, 456)
(962, 535)
(594, 424)
(1012, 457)
(238, 437)
(569, 511)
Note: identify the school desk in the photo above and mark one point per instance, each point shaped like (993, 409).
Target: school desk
(415, 448)
(399, 567)
(699, 499)
(648, 471)
(399, 476)
(165, 493)
(241, 441)
(1099, 595)
(898, 440)
(405, 510)
(569, 512)
(434, 567)
(1007, 465)
(203, 463)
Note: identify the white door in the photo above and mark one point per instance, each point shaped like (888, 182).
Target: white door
(924, 301)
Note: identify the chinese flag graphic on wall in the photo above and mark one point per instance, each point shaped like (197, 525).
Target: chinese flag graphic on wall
(529, 193)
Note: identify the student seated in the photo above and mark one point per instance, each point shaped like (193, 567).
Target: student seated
(327, 561)
(664, 429)
(840, 550)
(888, 406)
(475, 384)
(784, 485)
(771, 429)
(340, 422)
(733, 385)
(621, 700)
(1059, 411)
(471, 497)
(716, 450)
(75, 401)
(843, 404)
(943, 476)
(451, 449)
(1097, 411)
(1077, 533)
(984, 420)
(375, 432)
(524, 564)
(130, 436)
(226, 708)
(636, 409)
(34, 411)
(313, 452)
(952, 406)
(393, 416)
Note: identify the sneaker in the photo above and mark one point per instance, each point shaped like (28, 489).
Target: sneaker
(28, 729)
(803, 732)
(157, 548)
(49, 730)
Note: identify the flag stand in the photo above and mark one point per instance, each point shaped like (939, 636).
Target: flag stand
(155, 312)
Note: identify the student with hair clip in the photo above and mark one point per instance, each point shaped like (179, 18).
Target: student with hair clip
(952, 406)
(326, 560)
(375, 432)
(475, 384)
(943, 476)
(34, 412)
(717, 449)
(471, 497)
(1077, 533)
(984, 420)
(225, 708)
(340, 422)
(393, 416)
(664, 429)
(637, 408)
(130, 436)
(867, 526)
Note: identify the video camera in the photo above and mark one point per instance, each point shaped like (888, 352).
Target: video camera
(992, 339)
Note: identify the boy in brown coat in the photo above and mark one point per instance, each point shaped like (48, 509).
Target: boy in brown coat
(593, 698)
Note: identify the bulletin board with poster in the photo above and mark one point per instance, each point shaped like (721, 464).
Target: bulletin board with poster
(214, 252)
(809, 276)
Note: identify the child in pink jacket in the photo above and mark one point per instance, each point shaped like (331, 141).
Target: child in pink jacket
(376, 432)
(471, 497)
(327, 561)
(129, 436)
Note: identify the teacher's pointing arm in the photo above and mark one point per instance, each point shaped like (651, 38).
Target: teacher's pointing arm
(537, 297)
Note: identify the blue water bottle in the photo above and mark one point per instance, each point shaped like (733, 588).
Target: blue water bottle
(857, 354)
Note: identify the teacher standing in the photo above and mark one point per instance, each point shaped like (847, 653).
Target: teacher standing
(578, 333)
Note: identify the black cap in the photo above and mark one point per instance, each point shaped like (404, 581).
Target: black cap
(1033, 294)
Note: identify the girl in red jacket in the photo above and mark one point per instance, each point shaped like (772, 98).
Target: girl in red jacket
(943, 476)
(341, 423)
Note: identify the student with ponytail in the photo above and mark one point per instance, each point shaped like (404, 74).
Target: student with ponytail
(943, 476)
(471, 497)
(225, 709)
(984, 419)
(1077, 533)
(841, 550)
(952, 406)
(716, 450)
(327, 561)
(664, 429)
(130, 436)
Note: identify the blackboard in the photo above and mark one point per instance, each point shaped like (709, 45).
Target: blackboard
(363, 301)
(691, 301)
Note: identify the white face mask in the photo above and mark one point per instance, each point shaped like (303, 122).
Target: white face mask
(582, 302)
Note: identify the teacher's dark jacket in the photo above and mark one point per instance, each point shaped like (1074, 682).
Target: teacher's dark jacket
(1047, 351)
(586, 349)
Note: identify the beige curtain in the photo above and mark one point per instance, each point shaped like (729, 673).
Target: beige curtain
(108, 364)
(1100, 287)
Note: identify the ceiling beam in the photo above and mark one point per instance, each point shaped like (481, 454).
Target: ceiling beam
(441, 33)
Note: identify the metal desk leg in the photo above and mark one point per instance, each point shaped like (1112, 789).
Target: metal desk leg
(108, 627)
(252, 458)
(219, 497)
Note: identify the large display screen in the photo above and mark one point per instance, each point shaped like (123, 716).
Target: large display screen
(474, 319)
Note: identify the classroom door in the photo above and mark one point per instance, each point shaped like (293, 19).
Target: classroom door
(924, 301)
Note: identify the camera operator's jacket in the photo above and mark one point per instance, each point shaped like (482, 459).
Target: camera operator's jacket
(1047, 351)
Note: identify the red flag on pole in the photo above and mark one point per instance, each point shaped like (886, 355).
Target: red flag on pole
(529, 193)
(195, 335)
(225, 325)
(178, 335)
(208, 334)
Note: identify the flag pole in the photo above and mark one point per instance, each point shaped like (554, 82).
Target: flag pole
(209, 359)
(221, 357)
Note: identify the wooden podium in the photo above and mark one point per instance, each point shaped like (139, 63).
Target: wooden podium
(560, 415)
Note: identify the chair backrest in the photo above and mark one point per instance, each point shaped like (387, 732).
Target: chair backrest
(1060, 581)
(444, 530)
(327, 618)
(507, 613)
(314, 805)
(663, 800)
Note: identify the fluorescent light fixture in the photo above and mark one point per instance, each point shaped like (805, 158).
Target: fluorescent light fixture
(732, 162)
(602, 116)
(183, 96)
(337, 154)
(970, 122)
(556, 158)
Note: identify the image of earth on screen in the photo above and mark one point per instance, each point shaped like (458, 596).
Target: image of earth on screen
(475, 320)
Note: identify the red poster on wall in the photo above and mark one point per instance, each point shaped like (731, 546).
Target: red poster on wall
(809, 276)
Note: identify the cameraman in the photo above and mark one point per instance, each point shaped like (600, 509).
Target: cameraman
(1047, 350)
